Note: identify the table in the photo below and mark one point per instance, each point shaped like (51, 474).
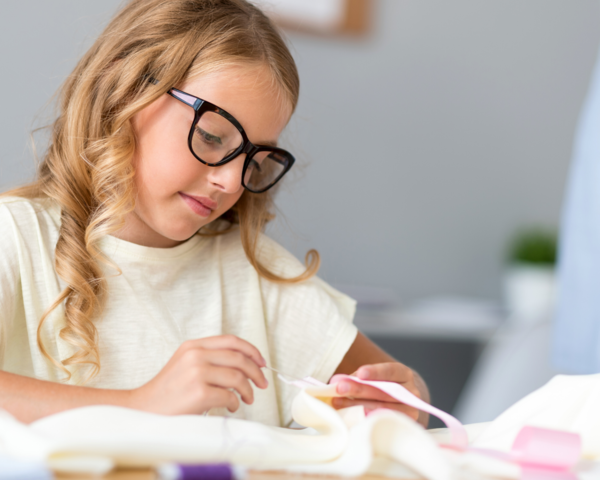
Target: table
(397, 322)
(148, 474)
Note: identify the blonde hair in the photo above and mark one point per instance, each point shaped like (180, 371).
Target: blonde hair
(88, 169)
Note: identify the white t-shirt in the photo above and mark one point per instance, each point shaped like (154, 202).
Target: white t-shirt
(201, 288)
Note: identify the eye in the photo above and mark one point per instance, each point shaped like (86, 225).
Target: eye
(208, 138)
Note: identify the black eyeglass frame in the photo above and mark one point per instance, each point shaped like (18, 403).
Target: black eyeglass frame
(200, 107)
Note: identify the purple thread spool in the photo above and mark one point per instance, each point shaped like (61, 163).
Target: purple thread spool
(215, 471)
(208, 471)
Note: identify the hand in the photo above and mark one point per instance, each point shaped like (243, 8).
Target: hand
(202, 374)
(372, 398)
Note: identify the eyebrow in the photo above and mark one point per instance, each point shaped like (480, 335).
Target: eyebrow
(268, 144)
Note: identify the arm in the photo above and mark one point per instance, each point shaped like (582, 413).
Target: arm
(200, 375)
(28, 399)
(367, 361)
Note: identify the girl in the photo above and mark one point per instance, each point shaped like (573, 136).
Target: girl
(133, 271)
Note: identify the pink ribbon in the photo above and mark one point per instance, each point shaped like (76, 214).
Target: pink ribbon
(543, 454)
(459, 437)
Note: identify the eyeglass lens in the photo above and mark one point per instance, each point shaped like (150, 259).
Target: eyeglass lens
(215, 138)
(265, 168)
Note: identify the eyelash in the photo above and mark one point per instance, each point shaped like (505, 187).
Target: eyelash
(207, 137)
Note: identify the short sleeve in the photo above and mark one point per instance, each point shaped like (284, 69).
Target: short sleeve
(9, 277)
(309, 323)
(28, 283)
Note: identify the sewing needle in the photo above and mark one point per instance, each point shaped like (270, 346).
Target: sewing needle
(299, 382)
(283, 374)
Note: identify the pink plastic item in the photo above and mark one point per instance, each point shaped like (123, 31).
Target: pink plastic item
(536, 447)
(547, 454)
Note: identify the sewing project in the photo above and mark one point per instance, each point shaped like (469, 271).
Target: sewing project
(554, 431)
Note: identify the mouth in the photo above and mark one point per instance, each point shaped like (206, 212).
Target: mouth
(202, 206)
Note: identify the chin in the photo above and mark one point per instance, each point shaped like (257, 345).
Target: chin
(180, 234)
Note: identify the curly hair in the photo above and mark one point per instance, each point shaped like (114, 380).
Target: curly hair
(87, 168)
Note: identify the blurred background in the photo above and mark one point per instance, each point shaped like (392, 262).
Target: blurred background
(433, 139)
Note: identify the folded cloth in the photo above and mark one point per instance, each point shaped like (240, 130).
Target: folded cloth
(344, 442)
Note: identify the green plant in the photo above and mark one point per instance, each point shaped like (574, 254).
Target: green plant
(537, 246)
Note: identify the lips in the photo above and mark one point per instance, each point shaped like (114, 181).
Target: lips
(202, 206)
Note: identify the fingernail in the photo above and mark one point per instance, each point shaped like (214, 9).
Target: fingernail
(343, 387)
(363, 372)
(263, 362)
(266, 383)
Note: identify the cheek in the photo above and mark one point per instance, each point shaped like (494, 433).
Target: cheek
(162, 167)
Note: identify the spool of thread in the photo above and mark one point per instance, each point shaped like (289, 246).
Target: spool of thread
(206, 471)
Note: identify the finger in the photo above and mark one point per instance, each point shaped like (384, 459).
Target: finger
(342, 402)
(230, 342)
(390, 372)
(217, 397)
(348, 388)
(233, 359)
(225, 377)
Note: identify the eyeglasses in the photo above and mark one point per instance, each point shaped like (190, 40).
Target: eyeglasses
(216, 138)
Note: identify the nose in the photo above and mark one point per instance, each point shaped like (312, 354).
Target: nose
(228, 177)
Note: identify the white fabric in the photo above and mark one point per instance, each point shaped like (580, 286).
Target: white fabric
(336, 442)
(201, 288)
(11, 469)
(565, 403)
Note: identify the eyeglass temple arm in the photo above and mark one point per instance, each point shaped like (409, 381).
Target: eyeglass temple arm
(183, 97)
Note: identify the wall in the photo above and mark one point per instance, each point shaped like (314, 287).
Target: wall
(421, 148)
(40, 43)
(426, 145)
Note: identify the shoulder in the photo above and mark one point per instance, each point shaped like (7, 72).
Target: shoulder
(30, 207)
(31, 218)
(268, 252)
(278, 260)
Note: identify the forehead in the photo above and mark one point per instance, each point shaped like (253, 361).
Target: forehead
(250, 94)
